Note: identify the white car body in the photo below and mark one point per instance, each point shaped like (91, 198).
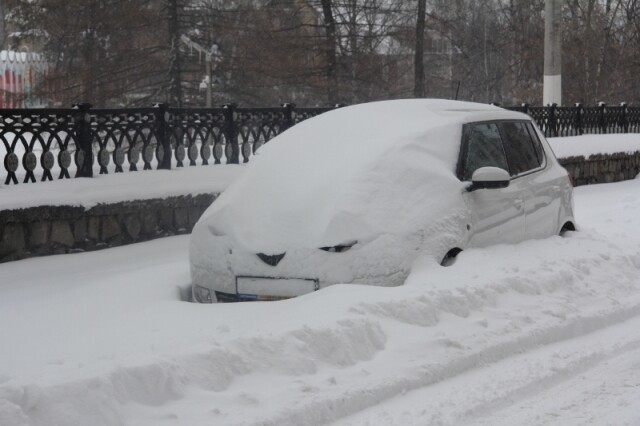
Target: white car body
(355, 195)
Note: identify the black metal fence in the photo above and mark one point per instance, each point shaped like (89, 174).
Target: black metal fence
(81, 141)
(578, 120)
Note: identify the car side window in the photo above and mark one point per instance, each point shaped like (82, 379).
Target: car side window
(536, 142)
(518, 145)
(483, 147)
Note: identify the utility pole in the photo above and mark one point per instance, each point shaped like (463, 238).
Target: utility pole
(552, 89)
(330, 51)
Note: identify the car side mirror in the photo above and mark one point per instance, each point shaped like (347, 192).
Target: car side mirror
(489, 178)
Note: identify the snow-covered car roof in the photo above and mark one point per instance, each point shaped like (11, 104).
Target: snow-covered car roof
(350, 174)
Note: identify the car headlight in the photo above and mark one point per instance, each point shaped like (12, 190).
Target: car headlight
(202, 294)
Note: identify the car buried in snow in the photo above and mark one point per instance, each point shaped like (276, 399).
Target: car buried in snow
(355, 195)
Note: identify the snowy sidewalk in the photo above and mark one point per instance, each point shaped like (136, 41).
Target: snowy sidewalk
(587, 145)
(112, 188)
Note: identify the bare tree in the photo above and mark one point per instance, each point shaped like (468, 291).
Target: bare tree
(418, 90)
(314, 52)
(2, 25)
(107, 52)
(174, 71)
(331, 51)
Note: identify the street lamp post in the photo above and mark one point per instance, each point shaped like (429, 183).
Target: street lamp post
(209, 55)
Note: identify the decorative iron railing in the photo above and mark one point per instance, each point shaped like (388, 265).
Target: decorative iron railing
(40, 143)
(59, 143)
(578, 120)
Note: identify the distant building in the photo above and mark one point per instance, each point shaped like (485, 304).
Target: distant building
(19, 74)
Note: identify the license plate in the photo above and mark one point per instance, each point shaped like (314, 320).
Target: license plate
(262, 288)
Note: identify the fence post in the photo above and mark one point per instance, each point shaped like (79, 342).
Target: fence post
(601, 121)
(163, 136)
(623, 118)
(525, 108)
(553, 125)
(82, 130)
(578, 118)
(232, 150)
(289, 119)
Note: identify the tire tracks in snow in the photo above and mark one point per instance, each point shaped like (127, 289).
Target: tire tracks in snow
(340, 406)
(587, 320)
(479, 396)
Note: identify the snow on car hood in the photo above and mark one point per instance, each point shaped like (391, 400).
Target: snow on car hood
(349, 174)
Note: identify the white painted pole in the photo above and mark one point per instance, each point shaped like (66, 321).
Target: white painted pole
(552, 89)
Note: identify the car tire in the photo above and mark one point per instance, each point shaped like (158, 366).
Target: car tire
(567, 227)
(450, 258)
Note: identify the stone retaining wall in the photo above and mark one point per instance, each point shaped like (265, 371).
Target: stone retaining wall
(48, 230)
(602, 168)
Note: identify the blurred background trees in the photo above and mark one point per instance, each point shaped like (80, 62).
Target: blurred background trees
(319, 52)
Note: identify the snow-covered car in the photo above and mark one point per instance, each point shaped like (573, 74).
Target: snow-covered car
(357, 194)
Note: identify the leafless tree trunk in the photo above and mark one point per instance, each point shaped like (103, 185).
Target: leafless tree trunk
(175, 80)
(419, 89)
(2, 25)
(330, 49)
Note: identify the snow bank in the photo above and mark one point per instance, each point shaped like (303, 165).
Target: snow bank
(111, 343)
(587, 145)
(113, 188)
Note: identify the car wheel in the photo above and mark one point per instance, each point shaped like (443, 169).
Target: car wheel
(450, 258)
(567, 227)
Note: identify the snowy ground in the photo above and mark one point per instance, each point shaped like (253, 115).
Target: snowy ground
(588, 145)
(118, 187)
(543, 332)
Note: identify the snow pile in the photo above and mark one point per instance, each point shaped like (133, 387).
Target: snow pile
(111, 343)
(588, 145)
(113, 188)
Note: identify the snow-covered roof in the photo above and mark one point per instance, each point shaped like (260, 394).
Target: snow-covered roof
(20, 57)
